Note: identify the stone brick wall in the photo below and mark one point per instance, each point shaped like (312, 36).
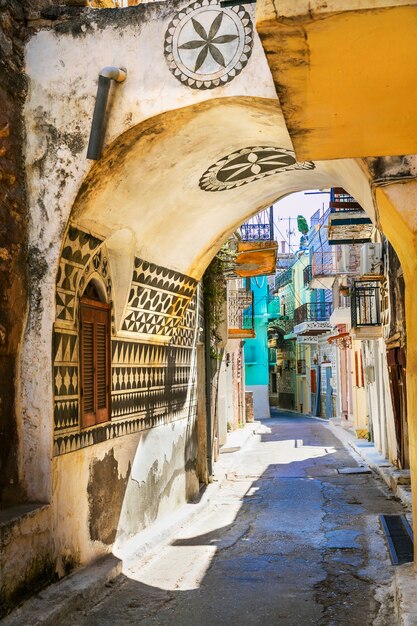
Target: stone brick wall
(17, 17)
(13, 218)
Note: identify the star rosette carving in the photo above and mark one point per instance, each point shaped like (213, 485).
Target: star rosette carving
(250, 164)
(206, 46)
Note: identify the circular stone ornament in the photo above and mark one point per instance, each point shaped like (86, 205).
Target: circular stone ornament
(250, 164)
(206, 45)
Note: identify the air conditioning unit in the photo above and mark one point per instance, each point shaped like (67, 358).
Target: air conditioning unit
(371, 259)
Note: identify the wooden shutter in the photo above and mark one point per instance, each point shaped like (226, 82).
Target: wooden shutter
(95, 362)
(313, 381)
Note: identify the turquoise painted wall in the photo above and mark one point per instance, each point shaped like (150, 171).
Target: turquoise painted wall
(256, 350)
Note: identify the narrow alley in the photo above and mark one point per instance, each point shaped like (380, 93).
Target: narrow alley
(287, 540)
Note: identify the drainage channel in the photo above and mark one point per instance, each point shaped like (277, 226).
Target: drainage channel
(399, 537)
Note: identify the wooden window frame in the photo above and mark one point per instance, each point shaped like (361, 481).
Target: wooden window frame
(90, 312)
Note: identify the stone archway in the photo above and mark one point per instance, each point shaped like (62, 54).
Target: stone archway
(151, 200)
(156, 208)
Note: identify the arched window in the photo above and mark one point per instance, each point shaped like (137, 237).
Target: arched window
(95, 356)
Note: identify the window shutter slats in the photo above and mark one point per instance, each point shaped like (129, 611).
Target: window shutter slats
(95, 362)
(88, 366)
(101, 369)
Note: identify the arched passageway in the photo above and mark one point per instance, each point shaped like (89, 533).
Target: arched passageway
(182, 168)
(147, 220)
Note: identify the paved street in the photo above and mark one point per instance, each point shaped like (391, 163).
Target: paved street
(287, 540)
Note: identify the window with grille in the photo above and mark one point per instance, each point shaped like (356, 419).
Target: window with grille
(95, 362)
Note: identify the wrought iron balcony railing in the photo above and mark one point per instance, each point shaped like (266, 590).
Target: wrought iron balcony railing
(284, 278)
(348, 222)
(324, 263)
(313, 312)
(366, 304)
(341, 201)
(307, 275)
(240, 310)
(256, 232)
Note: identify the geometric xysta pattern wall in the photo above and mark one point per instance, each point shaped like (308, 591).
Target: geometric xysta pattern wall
(151, 383)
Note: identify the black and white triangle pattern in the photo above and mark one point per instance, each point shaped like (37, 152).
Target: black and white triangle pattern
(158, 299)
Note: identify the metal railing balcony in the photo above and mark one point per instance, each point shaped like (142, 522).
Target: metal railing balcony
(284, 278)
(324, 263)
(366, 304)
(313, 312)
(240, 313)
(341, 201)
(256, 232)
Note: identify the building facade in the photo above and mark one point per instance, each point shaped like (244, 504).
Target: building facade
(349, 327)
(102, 397)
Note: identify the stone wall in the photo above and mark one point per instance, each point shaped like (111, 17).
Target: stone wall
(13, 236)
(16, 20)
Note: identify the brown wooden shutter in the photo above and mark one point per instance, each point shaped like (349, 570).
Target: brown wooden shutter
(95, 362)
(313, 381)
(87, 386)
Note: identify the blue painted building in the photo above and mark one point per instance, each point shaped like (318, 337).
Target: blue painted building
(256, 350)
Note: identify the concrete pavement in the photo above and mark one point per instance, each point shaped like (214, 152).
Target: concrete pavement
(286, 540)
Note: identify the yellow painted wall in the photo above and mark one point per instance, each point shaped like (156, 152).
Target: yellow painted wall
(346, 80)
(397, 206)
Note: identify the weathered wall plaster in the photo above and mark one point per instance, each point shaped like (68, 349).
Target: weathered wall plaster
(144, 196)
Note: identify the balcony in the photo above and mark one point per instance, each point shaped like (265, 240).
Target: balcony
(256, 232)
(255, 258)
(240, 314)
(312, 318)
(283, 278)
(366, 310)
(348, 222)
(324, 268)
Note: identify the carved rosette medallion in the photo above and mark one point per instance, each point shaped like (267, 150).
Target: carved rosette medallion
(250, 164)
(206, 46)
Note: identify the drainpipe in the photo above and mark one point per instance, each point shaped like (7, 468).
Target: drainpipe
(107, 74)
(209, 434)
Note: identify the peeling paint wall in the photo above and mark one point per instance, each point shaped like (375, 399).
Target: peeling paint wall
(114, 479)
(13, 239)
(145, 210)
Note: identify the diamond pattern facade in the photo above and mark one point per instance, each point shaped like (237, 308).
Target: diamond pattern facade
(151, 383)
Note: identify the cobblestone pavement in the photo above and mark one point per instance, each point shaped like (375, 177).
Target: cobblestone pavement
(287, 540)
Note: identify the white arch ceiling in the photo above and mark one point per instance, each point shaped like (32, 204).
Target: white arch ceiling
(148, 181)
